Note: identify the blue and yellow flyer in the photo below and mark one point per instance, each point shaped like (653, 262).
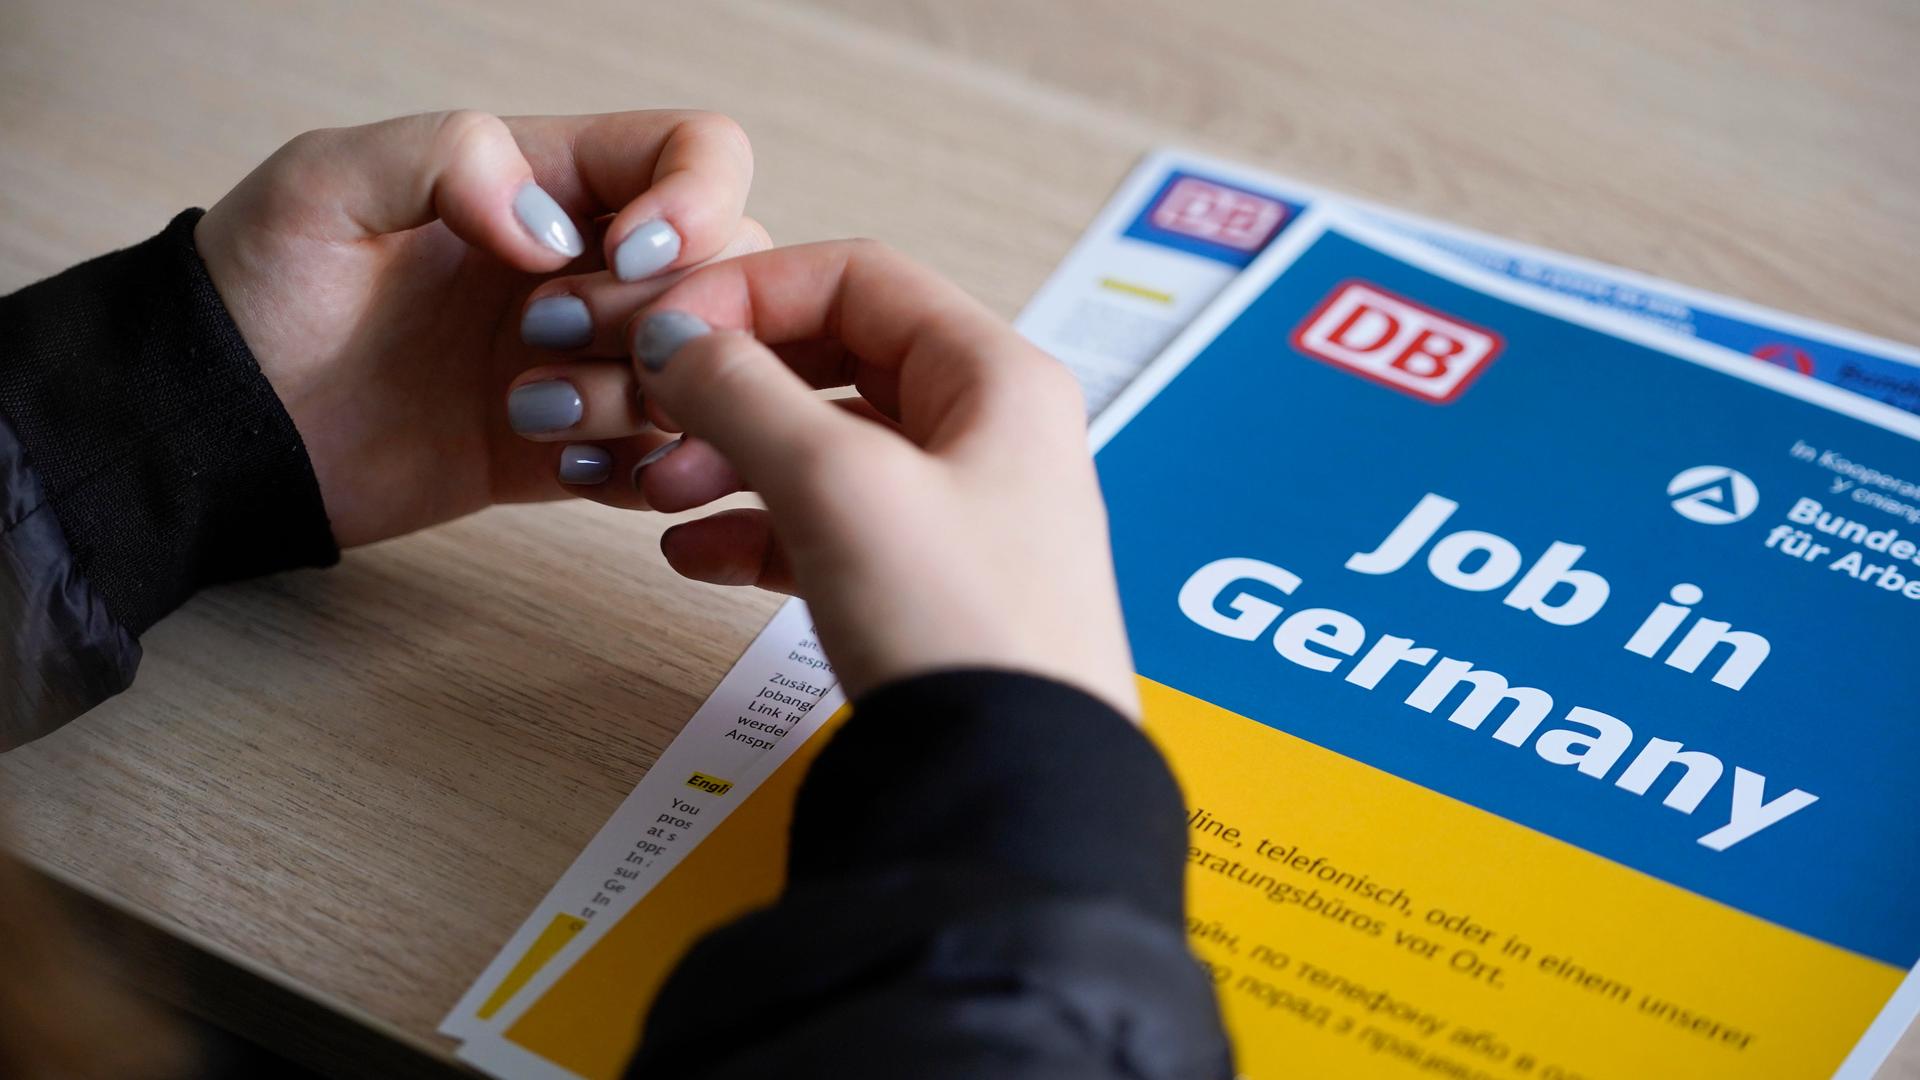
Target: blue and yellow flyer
(1541, 683)
(1543, 688)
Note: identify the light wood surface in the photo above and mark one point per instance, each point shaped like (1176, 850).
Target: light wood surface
(359, 781)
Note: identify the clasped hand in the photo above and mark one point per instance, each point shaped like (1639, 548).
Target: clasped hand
(459, 310)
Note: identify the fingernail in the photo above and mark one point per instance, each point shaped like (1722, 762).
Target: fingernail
(544, 218)
(661, 334)
(654, 455)
(557, 322)
(541, 407)
(648, 249)
(583, 464)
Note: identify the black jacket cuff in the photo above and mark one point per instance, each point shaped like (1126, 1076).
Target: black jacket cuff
(984, 880)
(162, 450)
(1010, 771)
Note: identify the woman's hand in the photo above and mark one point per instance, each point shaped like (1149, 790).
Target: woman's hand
(381, 277)
(950, 517)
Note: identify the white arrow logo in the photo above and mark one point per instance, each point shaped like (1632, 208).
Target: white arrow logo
(1713, 494)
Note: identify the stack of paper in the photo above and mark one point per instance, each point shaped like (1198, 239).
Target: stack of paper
(1529, 637)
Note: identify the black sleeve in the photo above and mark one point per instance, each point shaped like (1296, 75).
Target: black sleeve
(985, 880)
(142, 456)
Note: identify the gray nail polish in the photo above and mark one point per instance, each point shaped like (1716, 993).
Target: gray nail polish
(541, 407)
(648, 249)
(583, 464)
(652, 456)
(544, 218)
(557, 322)
(661, 334)
(656, 454)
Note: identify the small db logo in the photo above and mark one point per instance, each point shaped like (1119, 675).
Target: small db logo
(1712, 494)
(1397, 342)
(1218, 215)
(1791, 357)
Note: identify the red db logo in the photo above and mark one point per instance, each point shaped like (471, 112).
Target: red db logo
(1218, 214)
(1396, 342)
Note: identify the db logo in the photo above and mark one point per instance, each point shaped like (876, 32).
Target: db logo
(1791, 357)
(1217, 214)
(1712, 494)
(1397, 342)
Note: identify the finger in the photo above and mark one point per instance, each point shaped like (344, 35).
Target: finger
(588, 312)
(461, 167)
(587, 399)
(947, 363)
(824, 365)
(677, 181)
(730, 390)
(584, 399)
(600, 470)
(868, 411)
(689, 473)
(823, 362)
(685, 474)
(608, 472)
(733, 547)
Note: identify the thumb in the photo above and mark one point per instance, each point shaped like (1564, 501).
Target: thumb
(730, 390)
(463, 168)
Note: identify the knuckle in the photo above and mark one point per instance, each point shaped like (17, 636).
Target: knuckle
(305, 144)
(282, 184)
(726, 362)
(310, 148)
(459, 131)
(1040, 390)
(1056, 390)
(873, 257)
(867, 248)
(720, 128)
(886, 467)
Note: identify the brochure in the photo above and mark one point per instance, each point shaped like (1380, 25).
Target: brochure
(501, 1039)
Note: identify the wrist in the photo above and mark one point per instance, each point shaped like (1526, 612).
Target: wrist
(166, 455)
(1094, 660)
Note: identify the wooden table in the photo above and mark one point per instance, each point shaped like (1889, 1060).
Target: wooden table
(353, 784)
